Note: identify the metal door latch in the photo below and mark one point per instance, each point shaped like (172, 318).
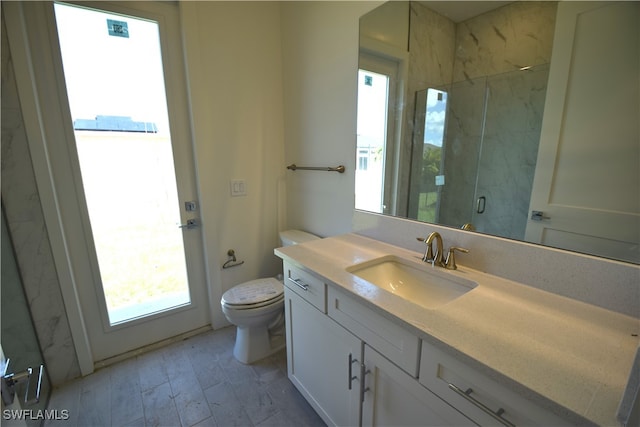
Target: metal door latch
(191, 223)
(538, 216)
(11, 380)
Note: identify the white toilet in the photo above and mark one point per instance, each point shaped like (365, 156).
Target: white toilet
(257, 309)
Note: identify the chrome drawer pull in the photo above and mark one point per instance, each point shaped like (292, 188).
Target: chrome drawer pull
(300, 284)
(495, 415)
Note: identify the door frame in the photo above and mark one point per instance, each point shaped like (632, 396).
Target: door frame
(394, 67)
(47, 120)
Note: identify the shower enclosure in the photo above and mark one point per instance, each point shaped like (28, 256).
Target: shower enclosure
(475, 150)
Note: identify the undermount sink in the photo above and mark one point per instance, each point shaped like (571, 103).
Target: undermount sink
(420, 283)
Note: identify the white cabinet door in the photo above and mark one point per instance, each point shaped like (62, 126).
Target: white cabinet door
(393, 398)
(587, 184)
(320, 357)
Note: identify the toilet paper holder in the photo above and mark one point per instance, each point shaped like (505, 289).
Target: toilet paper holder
(232, 261)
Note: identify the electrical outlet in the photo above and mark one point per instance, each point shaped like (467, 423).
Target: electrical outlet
(238, 187)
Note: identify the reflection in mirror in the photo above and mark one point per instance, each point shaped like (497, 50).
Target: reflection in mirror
(520, 120)
(373, 102)
(488, 178)
(430, 120)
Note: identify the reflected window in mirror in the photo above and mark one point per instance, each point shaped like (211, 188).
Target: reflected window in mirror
(432, 111)
(377, 80)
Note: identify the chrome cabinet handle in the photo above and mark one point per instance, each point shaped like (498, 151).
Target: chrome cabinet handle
(495, 415)
(363, 373)
(300, 284)
(351, 376)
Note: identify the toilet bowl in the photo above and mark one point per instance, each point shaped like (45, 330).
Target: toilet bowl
(256, 308)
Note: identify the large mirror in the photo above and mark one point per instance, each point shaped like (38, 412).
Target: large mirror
(516, 119)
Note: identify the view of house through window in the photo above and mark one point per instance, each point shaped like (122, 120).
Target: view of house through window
(115, 84)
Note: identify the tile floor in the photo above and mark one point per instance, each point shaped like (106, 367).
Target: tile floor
(195, 382)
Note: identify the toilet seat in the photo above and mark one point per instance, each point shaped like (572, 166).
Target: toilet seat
(254, 294)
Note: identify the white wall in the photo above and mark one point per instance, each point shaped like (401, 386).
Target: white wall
(234, 61)
(320, 60)
(271, 84)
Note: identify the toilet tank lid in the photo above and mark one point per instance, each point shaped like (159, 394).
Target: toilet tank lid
(294, 237)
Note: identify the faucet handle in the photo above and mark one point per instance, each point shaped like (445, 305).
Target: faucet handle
(450, 263)
(428, 253)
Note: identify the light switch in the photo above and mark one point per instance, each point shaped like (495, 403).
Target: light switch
(238, 187)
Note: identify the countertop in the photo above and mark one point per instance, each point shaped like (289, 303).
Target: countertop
(569, 357)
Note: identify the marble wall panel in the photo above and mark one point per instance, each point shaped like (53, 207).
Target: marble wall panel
(513, 119)
(28, 232)
(516, 35)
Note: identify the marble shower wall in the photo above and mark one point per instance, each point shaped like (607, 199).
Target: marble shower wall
(513, 36)
(495, 110)
(507, 163)
(28, 232)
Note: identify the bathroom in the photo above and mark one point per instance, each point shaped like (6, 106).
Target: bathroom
(299, 108)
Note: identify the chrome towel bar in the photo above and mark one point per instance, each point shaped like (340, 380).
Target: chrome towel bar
(339, 169)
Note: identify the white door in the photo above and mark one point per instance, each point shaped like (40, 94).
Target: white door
(586, 191)
(122, 167)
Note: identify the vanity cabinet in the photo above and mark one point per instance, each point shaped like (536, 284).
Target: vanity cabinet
(357, 367)
(321, 355)
(347, 381)
(391, 340)
(475, 395)
(394, 398)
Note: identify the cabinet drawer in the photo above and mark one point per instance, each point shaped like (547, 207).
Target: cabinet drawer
(488, 403)
(389, 339)
(308, 286)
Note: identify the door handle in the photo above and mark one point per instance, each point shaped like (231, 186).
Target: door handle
(11, 380)
(191, 223)
(481, 203)
(538, 216)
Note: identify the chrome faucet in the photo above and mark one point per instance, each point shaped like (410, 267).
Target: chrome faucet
(429, 255)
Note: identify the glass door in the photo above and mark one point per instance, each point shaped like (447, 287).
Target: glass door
(124, 166)
(115, 85)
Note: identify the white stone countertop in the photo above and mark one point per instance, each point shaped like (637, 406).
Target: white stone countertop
(569, 357)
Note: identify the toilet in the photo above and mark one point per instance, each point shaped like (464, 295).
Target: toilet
(256, 308)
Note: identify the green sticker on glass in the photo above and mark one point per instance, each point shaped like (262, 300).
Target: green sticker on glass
(118, 28)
